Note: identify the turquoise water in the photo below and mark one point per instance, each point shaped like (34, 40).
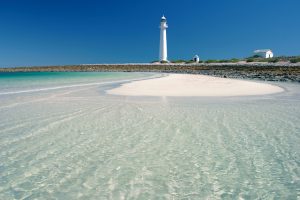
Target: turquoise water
(34, 80)
(77, 142)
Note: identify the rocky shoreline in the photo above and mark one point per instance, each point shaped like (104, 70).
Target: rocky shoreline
(258, 71)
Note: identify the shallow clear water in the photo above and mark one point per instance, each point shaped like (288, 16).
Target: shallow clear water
(79, 143)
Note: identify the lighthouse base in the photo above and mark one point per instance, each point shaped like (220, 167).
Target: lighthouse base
(164, 61)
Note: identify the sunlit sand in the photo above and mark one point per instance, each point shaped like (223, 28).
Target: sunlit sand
(194, 85)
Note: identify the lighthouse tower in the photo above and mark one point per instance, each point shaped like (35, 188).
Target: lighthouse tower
(163, 54)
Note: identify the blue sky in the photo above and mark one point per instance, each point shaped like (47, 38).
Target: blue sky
(51, 32)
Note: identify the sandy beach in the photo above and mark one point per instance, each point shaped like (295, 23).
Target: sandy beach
(194, 85)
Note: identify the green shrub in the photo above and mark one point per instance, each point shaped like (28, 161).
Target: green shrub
(295, 60)
(234, 60)
(250, 60)
(178, 61)
(261, 60)
(273, 60)
(223, 61)
(212, 61)
(189, 61)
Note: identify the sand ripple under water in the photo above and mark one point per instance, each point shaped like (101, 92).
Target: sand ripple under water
(80, 143)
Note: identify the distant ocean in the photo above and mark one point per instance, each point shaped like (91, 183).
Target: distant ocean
(63, 137)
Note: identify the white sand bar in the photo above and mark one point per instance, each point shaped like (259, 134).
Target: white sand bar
(194, 85)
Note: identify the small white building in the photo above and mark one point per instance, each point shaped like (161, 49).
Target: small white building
(196, 59)
(264, 53)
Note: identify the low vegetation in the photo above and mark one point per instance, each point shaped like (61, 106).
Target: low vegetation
(291, 59)
(181, 61)
(178, 61)
(233, 60)
(295, 60)
(250, 60)
(212, 61)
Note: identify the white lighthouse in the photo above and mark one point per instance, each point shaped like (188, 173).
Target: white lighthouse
(163, 54)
